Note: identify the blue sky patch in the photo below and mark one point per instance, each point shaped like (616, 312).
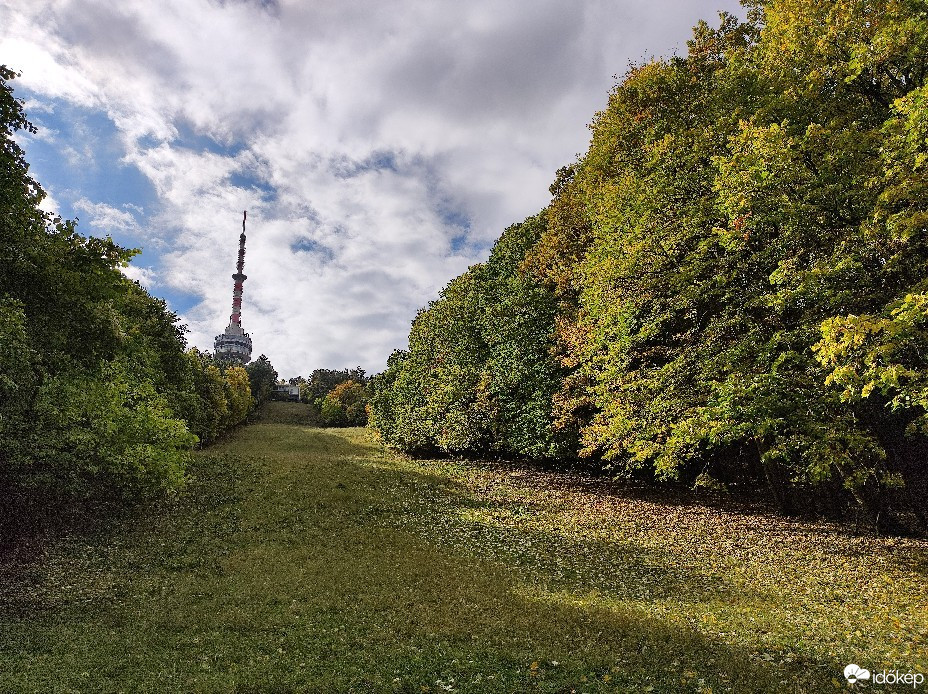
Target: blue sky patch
(188, 138)
(78, 154)
(243, 179)
(304, 245)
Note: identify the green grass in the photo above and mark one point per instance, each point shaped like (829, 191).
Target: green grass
(279, 412)
(303, 559)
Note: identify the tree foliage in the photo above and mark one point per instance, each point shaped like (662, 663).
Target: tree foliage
(322, 381)
(344, 405)
(479, 373)
(337, 397)
(730, 282)
(262, 377)
(98, 397)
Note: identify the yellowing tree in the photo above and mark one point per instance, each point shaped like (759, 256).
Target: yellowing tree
(238, 395)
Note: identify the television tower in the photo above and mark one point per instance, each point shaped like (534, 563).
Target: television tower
(234, 345)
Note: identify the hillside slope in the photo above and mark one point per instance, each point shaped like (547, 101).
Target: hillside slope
(305, 559)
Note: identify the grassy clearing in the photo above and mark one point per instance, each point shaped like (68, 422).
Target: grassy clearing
(310, 560)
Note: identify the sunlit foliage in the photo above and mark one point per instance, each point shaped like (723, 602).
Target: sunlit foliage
(736, 269)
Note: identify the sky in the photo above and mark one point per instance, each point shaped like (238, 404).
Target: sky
(380, 148)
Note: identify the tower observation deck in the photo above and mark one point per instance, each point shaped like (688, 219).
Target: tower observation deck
(234, 345)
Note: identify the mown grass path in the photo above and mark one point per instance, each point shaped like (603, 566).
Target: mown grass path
(304, 559)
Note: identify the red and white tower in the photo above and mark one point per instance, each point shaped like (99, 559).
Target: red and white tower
(234, 344)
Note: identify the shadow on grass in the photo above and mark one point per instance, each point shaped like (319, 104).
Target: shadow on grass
(904, 552)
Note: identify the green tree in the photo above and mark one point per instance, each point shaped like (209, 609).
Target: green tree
(106, 431)
(745, 233)
(732, 195)
(263, 378)
(81, 414)
(201, 398)
(479, 375)
(322, 381)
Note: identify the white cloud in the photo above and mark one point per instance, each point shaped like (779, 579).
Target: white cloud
(106, 218)
(143, 275)
(49, 204)
(359, 135)
(34, 106)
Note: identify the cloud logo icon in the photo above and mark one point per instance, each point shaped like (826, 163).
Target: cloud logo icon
(854, 673)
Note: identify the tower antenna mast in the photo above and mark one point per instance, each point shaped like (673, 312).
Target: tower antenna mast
(234, 345)
(239, 277)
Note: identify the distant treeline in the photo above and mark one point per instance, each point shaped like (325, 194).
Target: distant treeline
(729, 288)
(337, 397)
(100, 401)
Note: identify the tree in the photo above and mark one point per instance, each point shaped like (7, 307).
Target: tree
(732, 195)
(200, 397)
(479, 375)
(238, 395)
(345, 405)
(262, 377)
(85, 352)
(322, 381)
(107, 431)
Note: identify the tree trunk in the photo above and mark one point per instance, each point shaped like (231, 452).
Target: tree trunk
(776, 483)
